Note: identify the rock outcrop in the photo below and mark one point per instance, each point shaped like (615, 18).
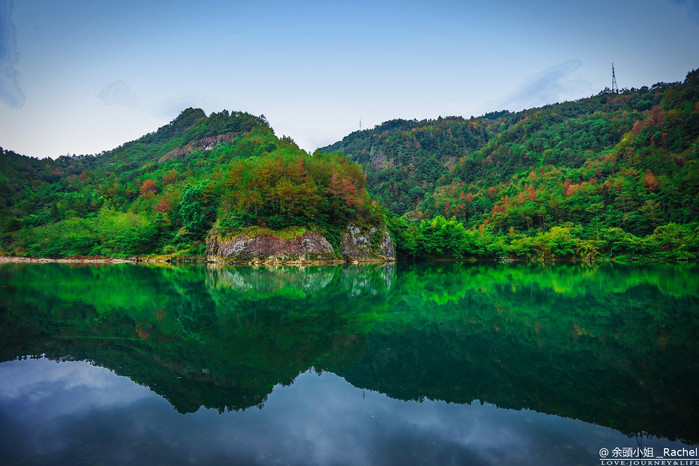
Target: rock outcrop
(269, 248)
(367, 245)
(357, 245)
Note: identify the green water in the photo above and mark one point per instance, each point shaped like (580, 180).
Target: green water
(425, 364)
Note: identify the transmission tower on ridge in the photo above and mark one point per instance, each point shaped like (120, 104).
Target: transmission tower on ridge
(360, 124)
(615, 88)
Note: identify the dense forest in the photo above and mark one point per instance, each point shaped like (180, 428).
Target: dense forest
(613, 175)
(163, 193)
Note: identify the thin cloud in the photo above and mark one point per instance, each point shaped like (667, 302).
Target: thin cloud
(118, 93)
(10, 89)
(552, 85)
(172, 107)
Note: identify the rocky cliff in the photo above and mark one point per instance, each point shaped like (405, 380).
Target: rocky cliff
(367, 245)
(357, 245)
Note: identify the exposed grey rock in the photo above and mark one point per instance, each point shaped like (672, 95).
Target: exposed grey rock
(269, 248)
(369, 244)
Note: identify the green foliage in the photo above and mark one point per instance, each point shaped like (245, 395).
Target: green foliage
(288, 187)
(195, 209)
(440, 237)
(676, 241)
(404, 159)
(450, 239)
(111, 233)
(125, 233)
(74, 236)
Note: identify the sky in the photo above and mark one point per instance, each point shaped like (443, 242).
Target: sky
(84, 76)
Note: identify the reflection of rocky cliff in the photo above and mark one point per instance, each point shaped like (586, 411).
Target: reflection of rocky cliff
(354, 280)
(563, 340)
(269, 279)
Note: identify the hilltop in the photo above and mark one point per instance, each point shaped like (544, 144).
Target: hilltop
(200, 181)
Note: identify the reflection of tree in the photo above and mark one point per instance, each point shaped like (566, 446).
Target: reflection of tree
(607, 343)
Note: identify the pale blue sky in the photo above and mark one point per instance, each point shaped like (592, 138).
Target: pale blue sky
(80, 76)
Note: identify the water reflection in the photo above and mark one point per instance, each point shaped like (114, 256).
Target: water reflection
(607, 344)
(354, 280)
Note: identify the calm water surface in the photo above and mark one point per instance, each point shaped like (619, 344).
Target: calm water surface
(403, 364)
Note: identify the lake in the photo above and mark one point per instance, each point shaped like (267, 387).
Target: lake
(435, 363)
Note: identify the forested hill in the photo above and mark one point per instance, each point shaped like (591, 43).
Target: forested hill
(406, 160)
(163, 193)
(624, 163)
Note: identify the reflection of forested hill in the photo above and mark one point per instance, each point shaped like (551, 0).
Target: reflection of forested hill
(610, 344)
(197, 337)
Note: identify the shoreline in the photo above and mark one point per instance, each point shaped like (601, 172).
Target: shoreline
(68, 260)
(141, 260)
(298, 263)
